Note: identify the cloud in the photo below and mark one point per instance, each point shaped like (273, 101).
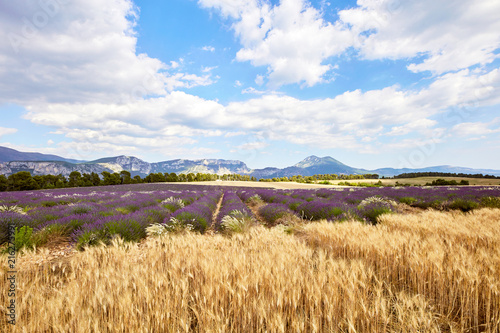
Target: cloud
(231, 134)
(259, 80)
(252, 90)
(294, 41)
(477, 128)
(418, 125)
(7, 131)
(447, 36)
(291, 39)
(208, 69)
(258, 145)
(345, 121)
(82, 51)
(208, 48)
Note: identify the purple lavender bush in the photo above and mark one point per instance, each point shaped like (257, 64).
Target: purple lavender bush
(318, 210)
(198, 215)
(233, 209)
(272, 212)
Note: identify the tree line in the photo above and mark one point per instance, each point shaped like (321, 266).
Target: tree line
(316, 178)
(444, 174)
(23, 180)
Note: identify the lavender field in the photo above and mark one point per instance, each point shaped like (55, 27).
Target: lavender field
(88, 217)
(170, 258)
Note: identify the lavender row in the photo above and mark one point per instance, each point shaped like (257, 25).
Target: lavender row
(272, 213)
(198, 216)
(90, 217)
(231, 206)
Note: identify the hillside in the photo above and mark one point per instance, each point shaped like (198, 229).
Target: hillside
(13, 161)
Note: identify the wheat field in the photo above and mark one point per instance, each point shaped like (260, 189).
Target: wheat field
(423, 272)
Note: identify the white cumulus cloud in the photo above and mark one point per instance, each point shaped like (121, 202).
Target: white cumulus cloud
(79, 50)
(291, 39)
(449, 35)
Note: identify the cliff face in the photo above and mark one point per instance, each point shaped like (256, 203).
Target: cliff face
(50, 168)
(219, 167)
(131, 164)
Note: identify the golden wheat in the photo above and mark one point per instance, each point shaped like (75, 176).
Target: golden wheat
(427, 272)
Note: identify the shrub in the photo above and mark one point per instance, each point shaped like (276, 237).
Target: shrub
(173, 204)
(156, 229)
(193, 219)
(407, 200)
(492, 202)
(237, 222)
(12, 209)
(51, 232)
(318, 210)
(23, 238)
(463, 205)
(81, 209)
(176, 226)
(272, 212)
(255, 200)
(372, 211)
(14, 221)
(128, 229)
(371, 208)
(91, 238)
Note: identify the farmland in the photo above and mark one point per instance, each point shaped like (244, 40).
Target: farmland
(157, 257)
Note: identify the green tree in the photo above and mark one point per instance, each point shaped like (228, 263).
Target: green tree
(40, 181)
(86, 180)
(110, 178)
(155, 178)
(75, 179)
(96, 180)
(22, 181)
(126, 177)
(171, 177)
(4, 184)
(61, 181)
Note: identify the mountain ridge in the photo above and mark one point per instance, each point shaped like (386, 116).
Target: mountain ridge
(309, 166)
(9, 155)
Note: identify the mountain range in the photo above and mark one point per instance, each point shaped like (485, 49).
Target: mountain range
(12, 161)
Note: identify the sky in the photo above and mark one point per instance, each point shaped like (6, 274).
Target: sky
(372, 83)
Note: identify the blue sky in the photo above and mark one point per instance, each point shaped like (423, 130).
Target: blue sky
(372, 83)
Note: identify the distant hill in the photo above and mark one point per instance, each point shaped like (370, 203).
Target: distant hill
(12, 161)
(389, 172)
(9, 155)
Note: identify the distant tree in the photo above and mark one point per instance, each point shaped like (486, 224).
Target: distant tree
(49, 181)
(22, 181)
(125, 177)
(96, 180)
(61, 181)
(4, 184)
(171, 177)
(110, 178)
(75, 179)
(137, 179)
(40, 181)
(155, 178)
(87, 180)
